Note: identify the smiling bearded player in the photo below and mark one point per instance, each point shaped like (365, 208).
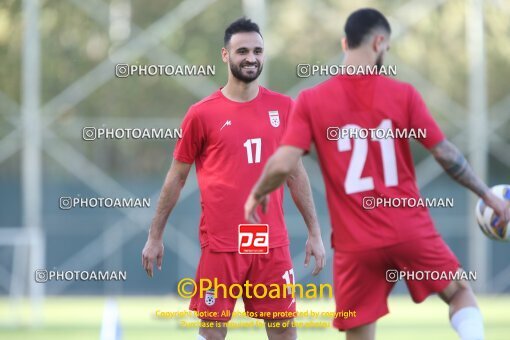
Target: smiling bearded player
(229, 136)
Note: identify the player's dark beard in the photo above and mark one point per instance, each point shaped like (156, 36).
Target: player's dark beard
(238, 72)
(379, 62)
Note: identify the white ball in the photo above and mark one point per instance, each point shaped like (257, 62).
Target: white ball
(487, 219)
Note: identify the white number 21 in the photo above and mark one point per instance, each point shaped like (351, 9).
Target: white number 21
(353, 181)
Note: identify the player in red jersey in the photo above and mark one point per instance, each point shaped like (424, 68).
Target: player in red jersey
(370, 242)
(229, 136)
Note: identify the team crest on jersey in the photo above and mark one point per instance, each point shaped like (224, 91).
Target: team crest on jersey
(274, 118)
(209, 297)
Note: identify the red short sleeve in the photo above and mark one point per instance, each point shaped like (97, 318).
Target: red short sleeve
(190, 145)
(287, 115)
(299, 130)
(422, 119)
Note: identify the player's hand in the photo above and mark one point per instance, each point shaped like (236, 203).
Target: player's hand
(250, 207)
(153, 251)
(315, 247)
(500, 207)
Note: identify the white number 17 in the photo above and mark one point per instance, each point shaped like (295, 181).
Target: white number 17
(258, 146)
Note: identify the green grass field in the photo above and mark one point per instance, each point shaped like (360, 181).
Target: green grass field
(80, 318)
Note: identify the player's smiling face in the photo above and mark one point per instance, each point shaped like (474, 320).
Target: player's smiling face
(245, 56)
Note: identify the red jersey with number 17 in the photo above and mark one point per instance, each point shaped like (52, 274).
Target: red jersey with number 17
(230, 143)
(361, 161)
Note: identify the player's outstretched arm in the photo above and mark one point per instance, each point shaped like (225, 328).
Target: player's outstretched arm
(174, 181)
(301, 191)
(456, 165)
(277, 169)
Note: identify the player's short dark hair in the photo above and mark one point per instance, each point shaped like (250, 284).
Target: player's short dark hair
(241, 25)
(363, 22)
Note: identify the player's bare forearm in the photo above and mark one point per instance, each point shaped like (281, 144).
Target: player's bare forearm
(279, 166)
(301, 192)
(174, 181)
(154, 249)
(277, 169)
(456, 165)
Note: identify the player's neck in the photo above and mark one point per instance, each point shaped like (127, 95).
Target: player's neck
(359, 57)
(239, 91)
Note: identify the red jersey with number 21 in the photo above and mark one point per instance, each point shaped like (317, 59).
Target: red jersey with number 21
(230, 143)
(355, 169)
